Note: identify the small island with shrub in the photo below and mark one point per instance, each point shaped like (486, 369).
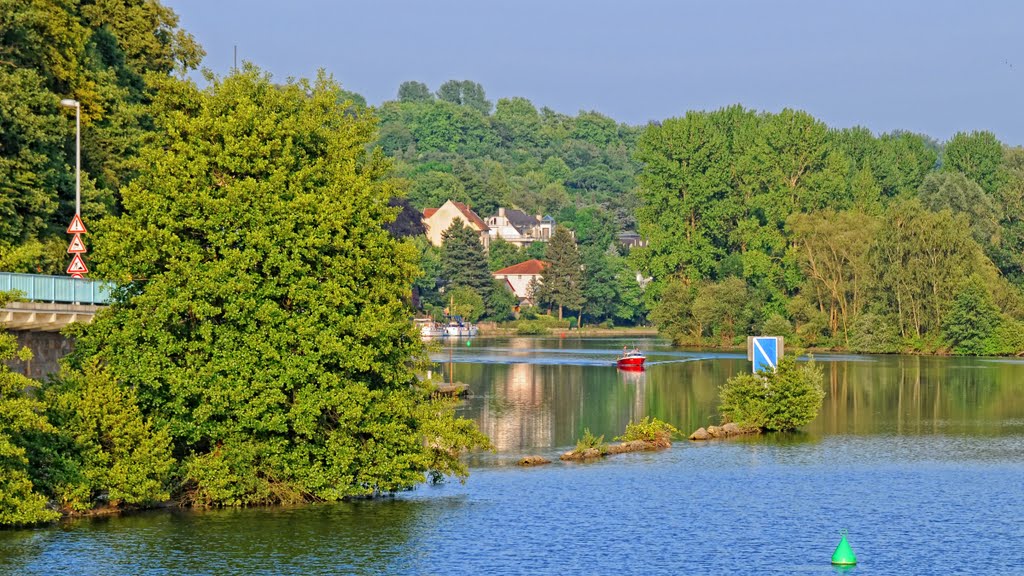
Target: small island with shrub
(647, 434)
(769, 401)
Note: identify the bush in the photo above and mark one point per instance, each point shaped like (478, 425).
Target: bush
(539, 324)
(777, 325)
(105, 452)
(874, 333)
(1007, 339)
(589, 441)
(972, 319)
(785, 399)
(530, 328)
(649, 430)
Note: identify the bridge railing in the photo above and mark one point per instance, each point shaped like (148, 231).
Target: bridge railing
(39, 288)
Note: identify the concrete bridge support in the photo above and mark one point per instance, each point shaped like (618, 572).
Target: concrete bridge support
(37, 325)
(47, 350)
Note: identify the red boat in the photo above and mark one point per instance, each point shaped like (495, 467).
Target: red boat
(631, 360)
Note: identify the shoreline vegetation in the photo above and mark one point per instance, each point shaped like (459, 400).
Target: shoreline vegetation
(513, 328)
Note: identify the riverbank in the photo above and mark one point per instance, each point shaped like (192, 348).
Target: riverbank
(493, 329)
(908, 351)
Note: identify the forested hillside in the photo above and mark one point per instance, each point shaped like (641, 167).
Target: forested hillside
(455, 144)
(774, 223)
(756, 221)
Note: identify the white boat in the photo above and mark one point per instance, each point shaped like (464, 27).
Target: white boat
(431, 329)
(456, 328)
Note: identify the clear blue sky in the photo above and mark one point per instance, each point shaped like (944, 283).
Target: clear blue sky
(931, 66)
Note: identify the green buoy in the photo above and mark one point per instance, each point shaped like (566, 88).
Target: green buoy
(469, 342)
(844, 556)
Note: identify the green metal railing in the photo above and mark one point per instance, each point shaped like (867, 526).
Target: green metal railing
(39, 288)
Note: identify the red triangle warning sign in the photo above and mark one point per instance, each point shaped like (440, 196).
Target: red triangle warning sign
(77, 246)
(76, 226)
(79, 276)
(77, 266)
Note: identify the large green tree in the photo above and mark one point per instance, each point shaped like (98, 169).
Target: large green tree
(562, 282)
(684, 185)
(833, 251)
(413, 91)
(463, 262)
(979, 156)
(517, 122)
(262, 314)
(919, 259)
(465, 93)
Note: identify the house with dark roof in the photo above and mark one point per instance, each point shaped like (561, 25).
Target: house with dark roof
(630, 240)
(437, 220)
(520, 276)
(520, 228)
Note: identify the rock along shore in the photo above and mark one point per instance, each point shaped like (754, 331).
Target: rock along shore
(621, 448)
(724, 431)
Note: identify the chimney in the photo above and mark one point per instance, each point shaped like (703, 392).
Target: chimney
(501, 212)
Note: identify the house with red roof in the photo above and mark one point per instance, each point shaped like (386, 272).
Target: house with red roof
(520, 276)
(437, 220)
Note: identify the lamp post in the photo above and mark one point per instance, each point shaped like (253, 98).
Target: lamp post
(77, 267)
(69, 103)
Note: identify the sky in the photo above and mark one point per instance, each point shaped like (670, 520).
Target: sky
(936, 67)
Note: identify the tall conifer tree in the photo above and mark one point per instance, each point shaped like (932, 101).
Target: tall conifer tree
(562, 281)
(463, 262)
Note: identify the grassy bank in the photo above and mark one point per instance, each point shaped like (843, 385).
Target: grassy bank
(555, 328)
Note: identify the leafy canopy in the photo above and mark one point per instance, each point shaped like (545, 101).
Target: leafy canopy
(262, 313)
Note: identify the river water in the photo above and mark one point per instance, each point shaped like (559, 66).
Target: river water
(921, 459)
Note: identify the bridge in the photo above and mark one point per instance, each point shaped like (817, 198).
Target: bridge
(45, 305)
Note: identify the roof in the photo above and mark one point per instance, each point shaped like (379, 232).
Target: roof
(467, 213)
(470, 215)
(530, 267)
(520, 220)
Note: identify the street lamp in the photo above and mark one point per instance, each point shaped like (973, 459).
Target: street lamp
(69, 103)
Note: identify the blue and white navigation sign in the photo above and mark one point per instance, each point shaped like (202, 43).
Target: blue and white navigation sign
(764, 352)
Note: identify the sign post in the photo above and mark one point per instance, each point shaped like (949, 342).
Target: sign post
(77, 247)
(764, 352)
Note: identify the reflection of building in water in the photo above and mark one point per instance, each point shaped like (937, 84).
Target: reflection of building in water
(517, 415)
(638, 380)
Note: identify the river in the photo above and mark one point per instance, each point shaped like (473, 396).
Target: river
(920, 458)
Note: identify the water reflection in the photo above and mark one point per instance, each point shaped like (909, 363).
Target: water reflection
(517, 414)
(312, 539)
(557, 387)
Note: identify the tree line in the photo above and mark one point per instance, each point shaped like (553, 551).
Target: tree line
(773, 223)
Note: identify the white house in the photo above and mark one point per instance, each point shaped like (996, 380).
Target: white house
(519, 276)
(520, 228)
(437, 220)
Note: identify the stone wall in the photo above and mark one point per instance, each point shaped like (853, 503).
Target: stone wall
(47, 350)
